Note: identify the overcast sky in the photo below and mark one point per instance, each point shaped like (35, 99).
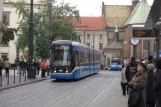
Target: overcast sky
(93, 7)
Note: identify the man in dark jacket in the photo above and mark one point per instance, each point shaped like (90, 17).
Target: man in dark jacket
(157, 83)
(22, 67)
(150, 100)
(131, 70)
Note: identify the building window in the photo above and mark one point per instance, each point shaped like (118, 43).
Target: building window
(145, 44)
(4, 56)
(88, 36)
(88, 44)
(4, 44)
(100, 46)
(100, 36)
(6, 18)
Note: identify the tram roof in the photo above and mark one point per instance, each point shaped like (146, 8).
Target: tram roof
(69, 42)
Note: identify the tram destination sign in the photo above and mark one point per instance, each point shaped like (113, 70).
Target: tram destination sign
(143, 32)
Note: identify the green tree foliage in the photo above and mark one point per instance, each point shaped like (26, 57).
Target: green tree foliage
(8, 34)
(64, 18)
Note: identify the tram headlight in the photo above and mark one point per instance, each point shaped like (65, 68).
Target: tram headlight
(67, 70)
(54, 71)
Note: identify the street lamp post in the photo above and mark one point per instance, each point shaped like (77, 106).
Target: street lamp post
(31, 39)
(157, 32)
(1, 21)
(50, 18)
(148, 47)
(135, 51)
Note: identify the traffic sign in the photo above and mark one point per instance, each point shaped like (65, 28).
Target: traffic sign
(143, 33)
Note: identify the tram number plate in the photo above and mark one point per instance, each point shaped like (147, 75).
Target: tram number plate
(60, 70)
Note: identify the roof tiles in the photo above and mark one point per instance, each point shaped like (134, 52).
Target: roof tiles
(116, 15)
(90, 23)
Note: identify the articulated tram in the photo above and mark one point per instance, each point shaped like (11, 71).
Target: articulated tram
(73, 60)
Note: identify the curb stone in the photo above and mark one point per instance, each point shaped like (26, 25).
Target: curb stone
(22, 84)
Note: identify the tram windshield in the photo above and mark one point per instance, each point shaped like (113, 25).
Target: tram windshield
(61, 55)
(115, 61)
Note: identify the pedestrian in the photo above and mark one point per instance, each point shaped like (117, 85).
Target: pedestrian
(6, 66)
(150, 100)
(17, 61)
(157, 82)
(131, 70)
(1, 67)
(123, 79)
(22, 67)
(138, 84)
(42, 66)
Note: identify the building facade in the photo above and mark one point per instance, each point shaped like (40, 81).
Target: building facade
(115, 18)
(137, 18)
(91, 31)
(8, 50)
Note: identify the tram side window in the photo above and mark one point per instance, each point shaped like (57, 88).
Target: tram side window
(87, 57)
(80, 60)
(84, 58)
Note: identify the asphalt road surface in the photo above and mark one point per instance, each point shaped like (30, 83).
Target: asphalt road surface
(100, 90)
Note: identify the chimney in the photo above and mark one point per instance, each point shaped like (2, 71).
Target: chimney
(134, 3)
(103, 9)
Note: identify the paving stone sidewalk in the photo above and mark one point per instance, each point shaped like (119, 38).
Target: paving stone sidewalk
(18, 80)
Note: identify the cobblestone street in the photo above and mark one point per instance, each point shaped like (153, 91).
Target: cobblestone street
(100, 90)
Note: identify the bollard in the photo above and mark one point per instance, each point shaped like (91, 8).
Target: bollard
(20, 76)
(30, 73)
(14, 77)
(25, 74)
(8, 78)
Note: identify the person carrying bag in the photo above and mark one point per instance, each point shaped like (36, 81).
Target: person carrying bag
(137, 97)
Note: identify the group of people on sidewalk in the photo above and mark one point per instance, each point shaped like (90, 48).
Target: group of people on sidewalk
(6, 65)
(142, 82)
(42, 65)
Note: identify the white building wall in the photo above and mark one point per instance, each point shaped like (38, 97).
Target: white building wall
(13, 23)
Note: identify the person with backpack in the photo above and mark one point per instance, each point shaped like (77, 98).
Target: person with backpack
(42, 66)
(131, 70)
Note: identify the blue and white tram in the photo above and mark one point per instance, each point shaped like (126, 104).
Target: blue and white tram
(73, 60)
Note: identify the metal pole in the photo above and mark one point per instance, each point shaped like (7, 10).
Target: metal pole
(31, 38)
(93, 51)
(134, 51)
(14, 77)
(157, 44)
(1, 22)
(50, 18)
(148, 47)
